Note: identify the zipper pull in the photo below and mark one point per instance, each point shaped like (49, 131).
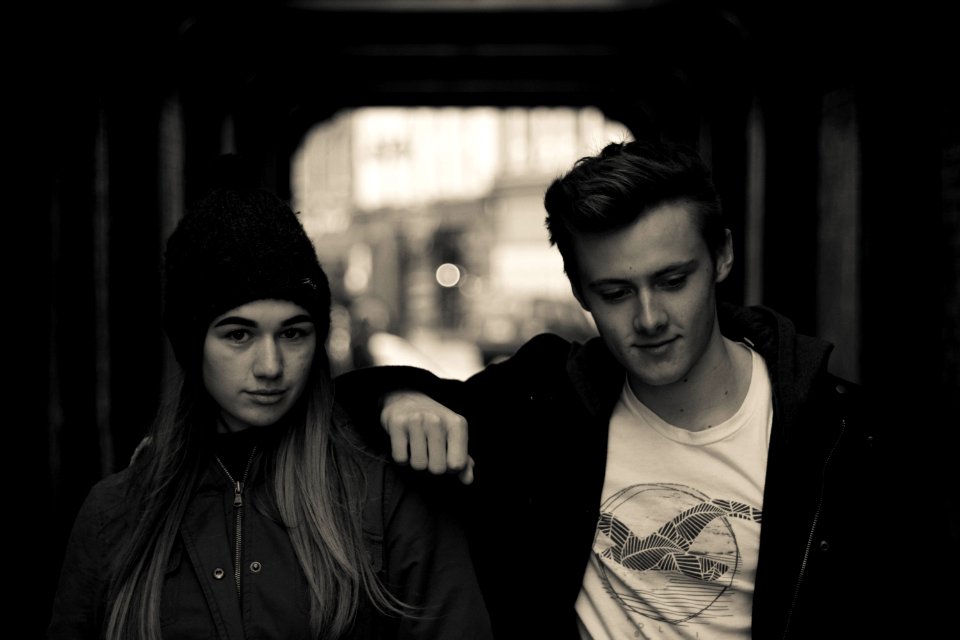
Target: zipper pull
(237, 500)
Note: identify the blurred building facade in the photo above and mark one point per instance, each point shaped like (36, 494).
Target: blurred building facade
(430, 222)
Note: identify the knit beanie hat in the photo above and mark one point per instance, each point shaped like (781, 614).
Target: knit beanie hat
(233, 247)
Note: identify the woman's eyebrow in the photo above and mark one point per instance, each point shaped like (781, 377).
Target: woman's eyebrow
(297, 320)
(243, 322)
(247, 322)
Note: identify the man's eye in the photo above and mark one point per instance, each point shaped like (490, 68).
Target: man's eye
(614, 295)
(675, 282)
(237, 335)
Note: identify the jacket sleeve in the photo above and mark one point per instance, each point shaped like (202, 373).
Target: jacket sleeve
(428, 566)
(361, 392)
(498, 387)
(79, 599)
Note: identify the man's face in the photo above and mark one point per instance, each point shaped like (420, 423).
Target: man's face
(651, 290)
(257, 360)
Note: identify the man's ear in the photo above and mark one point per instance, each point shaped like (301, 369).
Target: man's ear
(725, 258)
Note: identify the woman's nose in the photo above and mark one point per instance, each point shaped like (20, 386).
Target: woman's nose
(269, 360)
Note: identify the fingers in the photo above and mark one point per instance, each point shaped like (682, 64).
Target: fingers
(436, 437)
(424, 440)
(466, 476)
(417, 439)
(456, 442)
(399, 443)
(427, 435)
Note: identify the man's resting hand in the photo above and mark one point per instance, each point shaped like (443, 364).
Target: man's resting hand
(426, 435)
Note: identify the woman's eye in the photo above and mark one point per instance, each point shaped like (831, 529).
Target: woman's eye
(237, 335)
(294, 333)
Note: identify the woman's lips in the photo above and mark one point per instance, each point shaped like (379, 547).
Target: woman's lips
(266, 396)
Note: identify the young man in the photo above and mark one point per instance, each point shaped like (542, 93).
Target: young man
(694, 472)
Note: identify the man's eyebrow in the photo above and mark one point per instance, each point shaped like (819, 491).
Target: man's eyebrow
(673, 268)
(602, 282)
(659, 273)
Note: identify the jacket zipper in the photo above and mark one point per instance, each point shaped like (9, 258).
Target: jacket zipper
(813, 528)
(238, 510)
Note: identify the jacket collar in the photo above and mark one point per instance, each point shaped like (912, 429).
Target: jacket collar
(794, 361)
(596, 375)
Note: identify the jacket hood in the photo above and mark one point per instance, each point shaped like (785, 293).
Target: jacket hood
(794, 360)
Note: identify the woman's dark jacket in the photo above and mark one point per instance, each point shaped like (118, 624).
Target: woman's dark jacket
(417, 551)
(538, 433)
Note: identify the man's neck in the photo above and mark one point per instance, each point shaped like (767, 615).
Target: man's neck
(708, 395)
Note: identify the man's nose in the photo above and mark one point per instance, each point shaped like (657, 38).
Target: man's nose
(649, 315)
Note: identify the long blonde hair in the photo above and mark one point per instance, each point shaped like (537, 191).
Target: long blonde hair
(319, 490)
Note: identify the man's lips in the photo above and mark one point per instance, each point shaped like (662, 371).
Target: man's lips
(656, 345)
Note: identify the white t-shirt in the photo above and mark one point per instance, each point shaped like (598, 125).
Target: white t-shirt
(675, 553)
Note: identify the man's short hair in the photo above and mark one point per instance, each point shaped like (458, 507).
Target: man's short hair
(611, 190)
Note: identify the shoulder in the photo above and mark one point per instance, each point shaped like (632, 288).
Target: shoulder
(385, 484)
(394, 510)
(554, 349)
(109, 498)
(382, 482)
(544, 354)
(545, 345)
(104, 516)
(373, 466)
(847, 397)
(401, 497)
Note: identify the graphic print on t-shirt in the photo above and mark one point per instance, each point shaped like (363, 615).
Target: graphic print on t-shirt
(668, 552)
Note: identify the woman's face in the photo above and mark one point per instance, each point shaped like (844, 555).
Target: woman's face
(256, 362)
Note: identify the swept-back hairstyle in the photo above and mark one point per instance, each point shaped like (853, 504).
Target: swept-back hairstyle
(611, 190)
(235, 247)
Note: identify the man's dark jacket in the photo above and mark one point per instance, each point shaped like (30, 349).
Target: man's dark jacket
(538, 433)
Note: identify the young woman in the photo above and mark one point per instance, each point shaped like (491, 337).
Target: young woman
(250, 512)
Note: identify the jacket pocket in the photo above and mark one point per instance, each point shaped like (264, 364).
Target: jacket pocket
(183, 607)
(170, 596)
